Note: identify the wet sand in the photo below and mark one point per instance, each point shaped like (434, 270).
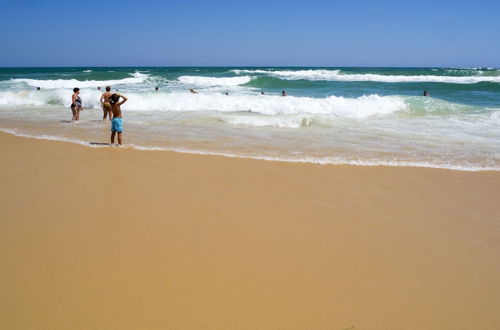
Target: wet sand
(114, 238)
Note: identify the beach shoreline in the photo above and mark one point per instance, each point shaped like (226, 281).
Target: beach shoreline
(99, 142)
(116, 238)
(355, 116)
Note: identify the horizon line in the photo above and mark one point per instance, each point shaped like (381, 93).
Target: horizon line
(250, 66)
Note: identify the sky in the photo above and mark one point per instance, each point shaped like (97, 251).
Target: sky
(250, 33)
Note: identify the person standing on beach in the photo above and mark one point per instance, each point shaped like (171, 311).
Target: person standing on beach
(116, 123)
(76, 104)
(106, 106)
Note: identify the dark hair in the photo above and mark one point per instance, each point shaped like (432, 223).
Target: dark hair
(108, 88)
(76, 89)
(114, 98)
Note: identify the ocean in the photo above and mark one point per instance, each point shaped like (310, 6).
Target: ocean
(359, 116)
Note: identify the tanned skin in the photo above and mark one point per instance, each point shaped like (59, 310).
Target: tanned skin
(117, 113)
(75, 109)
(106, 106)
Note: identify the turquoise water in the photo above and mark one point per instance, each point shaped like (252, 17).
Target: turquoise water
(365, 116)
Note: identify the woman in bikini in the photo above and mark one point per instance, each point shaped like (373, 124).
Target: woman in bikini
(76, 104)
(106, 105)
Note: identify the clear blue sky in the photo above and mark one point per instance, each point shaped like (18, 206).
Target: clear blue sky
(250, 33)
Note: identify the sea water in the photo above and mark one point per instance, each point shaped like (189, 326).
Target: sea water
(363, 116)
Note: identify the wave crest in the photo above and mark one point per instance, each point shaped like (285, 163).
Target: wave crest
(364, 106)
(136, 78)
(214, 81)
(337, 75)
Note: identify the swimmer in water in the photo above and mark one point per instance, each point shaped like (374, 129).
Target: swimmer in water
(106, 106)
(76, 104)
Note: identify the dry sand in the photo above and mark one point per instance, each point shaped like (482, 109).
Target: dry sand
(114, 238)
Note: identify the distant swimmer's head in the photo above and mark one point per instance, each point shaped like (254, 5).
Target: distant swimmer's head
(114, 98)
(38, 88)
(426, 93)
(156, 89)
(98, 88)
(76, 90)
(108, 88)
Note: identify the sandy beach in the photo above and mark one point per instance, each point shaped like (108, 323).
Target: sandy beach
(114, 238)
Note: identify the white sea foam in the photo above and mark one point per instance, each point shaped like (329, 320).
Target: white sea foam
(269, 121)
(47, 97)
(327, 160)
(364, 106)
(337, 75)
(35, 98)
(495, 117)
(87, 71)
(312, 160)
(136, 78)
(48, 137)
(360, 107)
(214, 81)
(275, 105)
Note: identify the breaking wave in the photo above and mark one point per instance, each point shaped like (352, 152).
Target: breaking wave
(136, 78)
(360, 107)
(337, 75)
(214, 81)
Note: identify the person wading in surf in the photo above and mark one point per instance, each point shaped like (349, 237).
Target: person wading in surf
(76, 104)
(106, 106)
(116, 123)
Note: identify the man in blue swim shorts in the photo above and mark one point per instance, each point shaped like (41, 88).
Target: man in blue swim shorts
(116, 123)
